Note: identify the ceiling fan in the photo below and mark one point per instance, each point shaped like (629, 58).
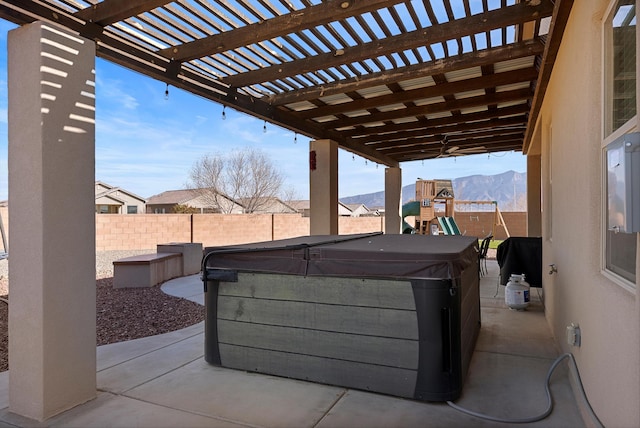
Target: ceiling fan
(446, 151)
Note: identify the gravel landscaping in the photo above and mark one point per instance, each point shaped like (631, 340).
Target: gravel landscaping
(122, 314)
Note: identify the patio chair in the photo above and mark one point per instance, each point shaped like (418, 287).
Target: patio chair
(484, 249)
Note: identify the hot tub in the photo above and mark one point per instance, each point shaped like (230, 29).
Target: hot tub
(394, 314)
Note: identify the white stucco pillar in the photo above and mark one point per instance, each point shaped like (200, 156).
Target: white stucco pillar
(323, 187)
(393, 200)
(52, 317)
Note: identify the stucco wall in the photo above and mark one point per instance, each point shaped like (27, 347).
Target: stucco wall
(570, 129)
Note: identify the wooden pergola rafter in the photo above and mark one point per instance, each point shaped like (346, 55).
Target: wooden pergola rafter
(390, 80)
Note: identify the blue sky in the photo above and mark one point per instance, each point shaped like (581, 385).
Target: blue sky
(147, 143)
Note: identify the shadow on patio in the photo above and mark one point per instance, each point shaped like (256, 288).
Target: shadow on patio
(164, 381)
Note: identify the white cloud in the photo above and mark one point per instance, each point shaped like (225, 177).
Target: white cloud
(111, 91)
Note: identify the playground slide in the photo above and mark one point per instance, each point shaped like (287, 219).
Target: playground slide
(410, 208)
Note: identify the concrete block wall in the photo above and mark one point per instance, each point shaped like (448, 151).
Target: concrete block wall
(516, 222)
(140, 232)
(228, 229)
(145, 231)
(480, 223)
(290, 225)
(349, 225)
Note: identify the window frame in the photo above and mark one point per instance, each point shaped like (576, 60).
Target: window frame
(632, 125)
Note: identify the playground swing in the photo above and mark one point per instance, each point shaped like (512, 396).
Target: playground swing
(498, 219)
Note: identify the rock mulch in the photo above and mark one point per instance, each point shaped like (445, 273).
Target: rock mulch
(121, 314)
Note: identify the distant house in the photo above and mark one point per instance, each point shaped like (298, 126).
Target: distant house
(116, 200)
(361, 210)
(344, 210)
(302, 206)
(267, 205)
(167, 202)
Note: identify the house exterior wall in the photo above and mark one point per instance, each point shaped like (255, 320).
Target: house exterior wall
(130, 201)
(122, 199)
(570, 129)
(160, 208)
(100, 187)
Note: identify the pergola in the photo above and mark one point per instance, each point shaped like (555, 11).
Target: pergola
(392, 81)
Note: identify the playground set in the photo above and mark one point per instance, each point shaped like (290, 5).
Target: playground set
(434, 210)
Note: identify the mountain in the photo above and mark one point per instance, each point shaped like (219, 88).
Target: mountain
(509, 189)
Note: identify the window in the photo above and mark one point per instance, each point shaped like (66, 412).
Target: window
(620, 117)
(132, 209)
(621, 254)
(621, 67)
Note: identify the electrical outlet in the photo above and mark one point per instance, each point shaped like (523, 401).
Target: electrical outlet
(573, 334)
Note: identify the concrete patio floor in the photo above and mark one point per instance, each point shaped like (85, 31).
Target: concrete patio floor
(163, 381)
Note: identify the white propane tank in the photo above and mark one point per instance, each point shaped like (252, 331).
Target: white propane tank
(516, 294)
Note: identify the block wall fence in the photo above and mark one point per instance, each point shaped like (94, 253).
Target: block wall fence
(145, 231)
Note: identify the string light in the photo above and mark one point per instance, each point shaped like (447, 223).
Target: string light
(353, 157)
(264, 127)
(295, 138)
(224, 114)
(166, 92)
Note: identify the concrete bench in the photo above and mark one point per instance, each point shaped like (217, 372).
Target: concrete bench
(146, 270)
(191, 255)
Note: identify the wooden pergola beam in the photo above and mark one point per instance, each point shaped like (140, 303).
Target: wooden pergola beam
(439, 90)
(109, 11)
(463, 140)
(299, 20)
(449, 130)
(416, 71)
(559, 21)
(374, 131)
(480, 100)
(487, 21)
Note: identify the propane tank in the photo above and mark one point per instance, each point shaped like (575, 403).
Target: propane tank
(516, 294)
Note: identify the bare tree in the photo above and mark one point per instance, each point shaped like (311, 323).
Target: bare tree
(246, 177)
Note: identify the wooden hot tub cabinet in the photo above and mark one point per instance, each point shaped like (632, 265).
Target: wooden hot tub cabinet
(394, 314)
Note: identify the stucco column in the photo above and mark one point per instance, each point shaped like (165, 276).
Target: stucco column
(323, 187)
(393, 200)
(52, 318)
(534, 203)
